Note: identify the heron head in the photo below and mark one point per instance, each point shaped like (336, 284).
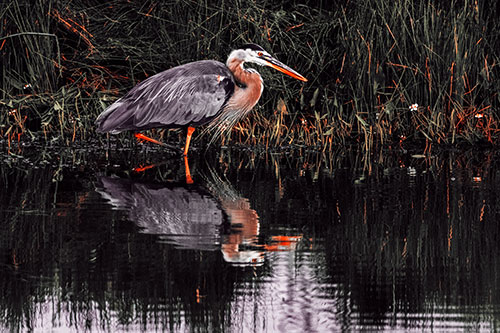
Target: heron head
(256, 54)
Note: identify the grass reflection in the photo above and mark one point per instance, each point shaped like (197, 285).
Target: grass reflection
(407, 241)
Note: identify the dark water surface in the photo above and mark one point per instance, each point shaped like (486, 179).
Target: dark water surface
(291, 242)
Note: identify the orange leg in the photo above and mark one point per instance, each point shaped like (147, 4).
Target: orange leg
(141, 136)
(142, 168)
(189, 180)
(188, 139)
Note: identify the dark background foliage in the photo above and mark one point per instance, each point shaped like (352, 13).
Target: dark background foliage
(63, 62)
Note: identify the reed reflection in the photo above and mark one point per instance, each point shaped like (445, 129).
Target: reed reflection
(209, 216)
(411, 242)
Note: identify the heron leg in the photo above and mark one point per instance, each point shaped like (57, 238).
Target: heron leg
(189, 180)
(142, 168)
(188, 139)
(141, 136)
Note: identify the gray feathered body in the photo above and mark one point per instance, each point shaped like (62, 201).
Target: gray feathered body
(187, 95)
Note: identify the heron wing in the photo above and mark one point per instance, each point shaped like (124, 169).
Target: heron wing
(186, 95)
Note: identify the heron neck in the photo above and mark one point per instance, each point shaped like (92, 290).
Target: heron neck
(249, 88)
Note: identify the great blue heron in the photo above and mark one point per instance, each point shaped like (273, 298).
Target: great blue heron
(193, 94)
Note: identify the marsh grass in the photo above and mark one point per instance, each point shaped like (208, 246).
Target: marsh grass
(63, 62)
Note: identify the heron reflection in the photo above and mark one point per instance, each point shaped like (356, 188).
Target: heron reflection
(210, 216)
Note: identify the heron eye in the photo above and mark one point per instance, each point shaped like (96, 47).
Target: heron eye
(260, 54)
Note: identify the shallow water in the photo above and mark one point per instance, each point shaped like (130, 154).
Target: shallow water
(264, 242)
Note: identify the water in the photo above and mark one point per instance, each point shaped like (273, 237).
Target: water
(290, 242)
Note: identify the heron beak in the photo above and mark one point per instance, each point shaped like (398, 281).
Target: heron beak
(272, 62)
